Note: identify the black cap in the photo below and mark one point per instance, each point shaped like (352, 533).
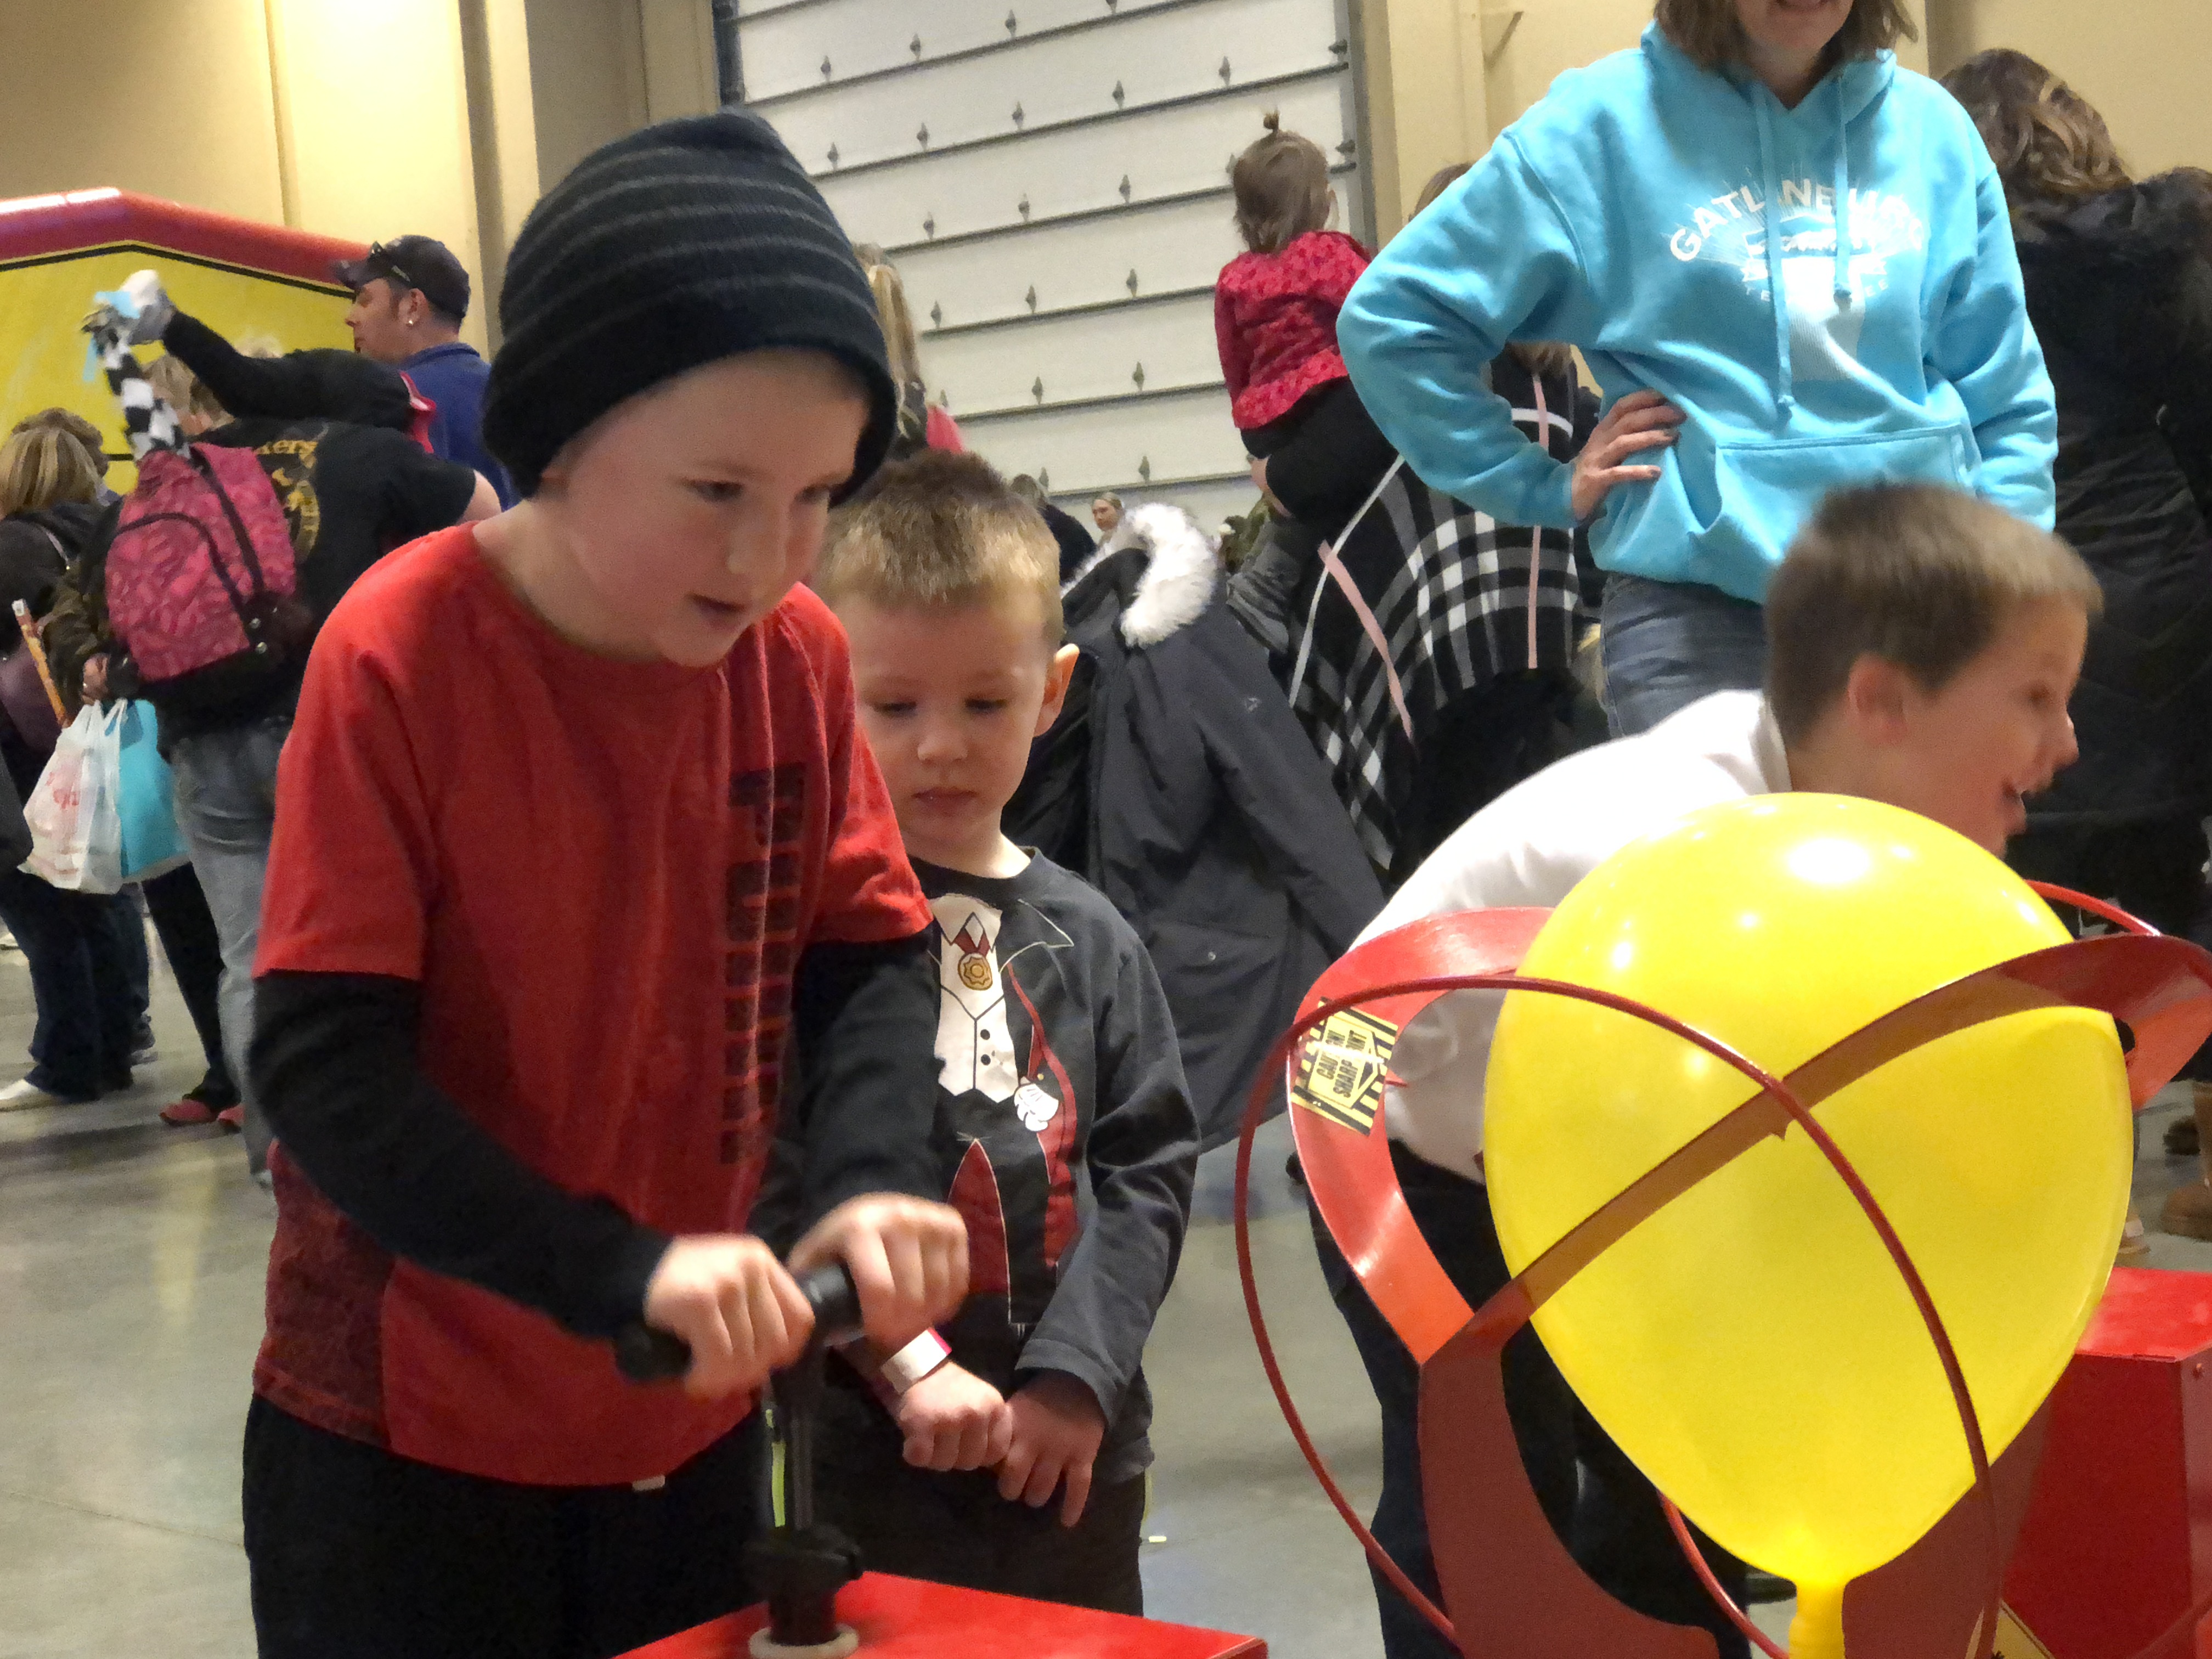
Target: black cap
(422, 262)
(692, 240)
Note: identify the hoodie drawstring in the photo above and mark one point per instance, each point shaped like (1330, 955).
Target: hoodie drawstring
(1770, 184)
(1843, 295)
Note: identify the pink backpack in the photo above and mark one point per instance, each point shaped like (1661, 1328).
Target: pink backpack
(201, 578)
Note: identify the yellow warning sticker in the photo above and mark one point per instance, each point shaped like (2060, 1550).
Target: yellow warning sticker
(2014, 1639)
(1341, 1068)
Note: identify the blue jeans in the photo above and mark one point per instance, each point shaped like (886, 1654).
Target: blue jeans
(81, 978)
(227, 806)
(1667, 644)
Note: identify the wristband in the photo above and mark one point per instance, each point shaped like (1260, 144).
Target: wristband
(914, 1361)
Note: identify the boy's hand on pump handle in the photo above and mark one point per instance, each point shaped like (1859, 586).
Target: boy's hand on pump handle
(740, 1308)
(1642, 421)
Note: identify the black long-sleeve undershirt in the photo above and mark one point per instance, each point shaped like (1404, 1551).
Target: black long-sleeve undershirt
(335, 1060)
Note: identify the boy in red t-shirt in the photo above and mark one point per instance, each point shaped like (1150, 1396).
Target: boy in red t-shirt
(580, 863)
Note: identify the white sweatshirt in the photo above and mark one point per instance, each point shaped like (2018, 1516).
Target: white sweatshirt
(1530, 846)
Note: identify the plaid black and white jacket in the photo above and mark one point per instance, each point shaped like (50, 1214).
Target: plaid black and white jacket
(1458, 599)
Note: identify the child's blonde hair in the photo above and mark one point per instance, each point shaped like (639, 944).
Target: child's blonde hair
(1918, 575)
(899, 342)
(1281, 182)
(941, 531)
(181, 389)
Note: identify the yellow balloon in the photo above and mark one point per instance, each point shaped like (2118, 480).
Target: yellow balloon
(1751, 1346)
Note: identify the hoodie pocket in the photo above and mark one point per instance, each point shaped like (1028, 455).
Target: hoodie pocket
(1780, 485)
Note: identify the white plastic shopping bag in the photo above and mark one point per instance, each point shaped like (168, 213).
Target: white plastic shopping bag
(76, 827)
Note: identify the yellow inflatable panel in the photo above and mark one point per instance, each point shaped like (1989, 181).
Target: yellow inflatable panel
(248, 282)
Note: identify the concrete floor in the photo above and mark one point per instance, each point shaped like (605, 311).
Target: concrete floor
(130, 1276)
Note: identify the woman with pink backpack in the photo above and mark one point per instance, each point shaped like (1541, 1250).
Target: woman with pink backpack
(235, 544)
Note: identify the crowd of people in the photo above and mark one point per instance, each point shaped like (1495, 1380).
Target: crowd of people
(930, 877)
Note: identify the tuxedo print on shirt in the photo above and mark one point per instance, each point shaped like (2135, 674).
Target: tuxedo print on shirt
(1004, 1096)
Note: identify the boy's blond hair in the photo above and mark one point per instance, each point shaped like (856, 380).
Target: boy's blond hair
(941, 531)
(1918, 575)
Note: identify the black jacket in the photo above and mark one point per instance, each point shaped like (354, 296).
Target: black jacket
(321, 384)
(1077, 544)
(36, 550)
(2119, 288)
(1179, 783)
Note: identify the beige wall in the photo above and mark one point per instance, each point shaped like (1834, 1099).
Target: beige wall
(169, 99)
(586, 76)
(373, 124)
(2146, 64)
(1425, 96)
(441, 118)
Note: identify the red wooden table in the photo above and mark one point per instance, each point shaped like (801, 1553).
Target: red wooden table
(906, 1618)
(2118, 1539)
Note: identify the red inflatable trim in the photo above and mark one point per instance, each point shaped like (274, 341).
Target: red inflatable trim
(80, 221)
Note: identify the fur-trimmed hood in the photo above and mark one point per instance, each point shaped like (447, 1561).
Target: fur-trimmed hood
(1167, 581)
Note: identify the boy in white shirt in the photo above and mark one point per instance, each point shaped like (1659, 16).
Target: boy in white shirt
(1921, 647)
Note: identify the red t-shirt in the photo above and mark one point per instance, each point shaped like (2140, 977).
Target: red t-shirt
(601, 875)
(1274, 323)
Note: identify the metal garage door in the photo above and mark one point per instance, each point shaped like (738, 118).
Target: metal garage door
(1050, 177)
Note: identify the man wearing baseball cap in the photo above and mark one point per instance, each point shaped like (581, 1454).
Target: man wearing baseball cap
(409, 296)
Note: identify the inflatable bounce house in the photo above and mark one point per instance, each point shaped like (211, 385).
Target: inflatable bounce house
(250, 281)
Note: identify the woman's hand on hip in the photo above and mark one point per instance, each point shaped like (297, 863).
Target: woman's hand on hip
(1642, 421)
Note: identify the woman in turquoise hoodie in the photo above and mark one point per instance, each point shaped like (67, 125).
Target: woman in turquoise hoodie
(1635, 212)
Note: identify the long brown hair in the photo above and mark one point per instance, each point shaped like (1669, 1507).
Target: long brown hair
(42, 466)
(1539, 358)
(68, 421)
(2049, 142)
(1707, 30)
(1281, 182)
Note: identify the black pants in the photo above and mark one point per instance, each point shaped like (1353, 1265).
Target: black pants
(356, 1553)
(81, 978)
(1608, 1515)
(130, 923)
(1484, 742)
(1262, 441)
(954, 1528)
(186, 925)
(2154, 870)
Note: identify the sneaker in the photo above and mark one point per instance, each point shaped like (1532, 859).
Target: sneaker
(23, 1096)
(2181, 1139)
(2135, 1243)
(232, 1118)
(8, 940)
(183, 1114)
(142, 1051)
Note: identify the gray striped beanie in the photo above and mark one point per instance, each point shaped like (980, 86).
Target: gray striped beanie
(685, 242)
